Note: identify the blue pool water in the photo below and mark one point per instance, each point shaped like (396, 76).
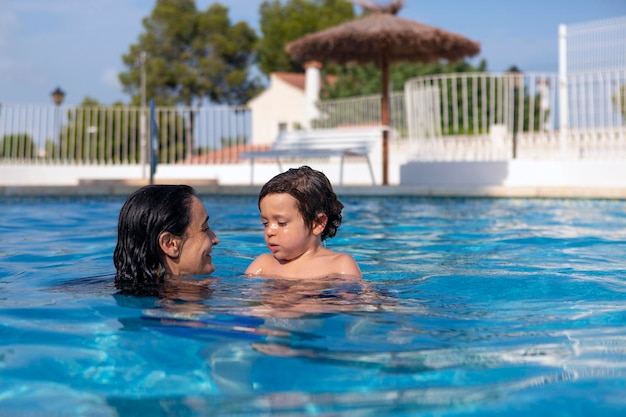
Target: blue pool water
(478, 307)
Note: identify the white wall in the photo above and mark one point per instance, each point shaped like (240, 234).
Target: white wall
(356, 172)
(311, 92)
(31, 175)
(279, 103)
(515, 173)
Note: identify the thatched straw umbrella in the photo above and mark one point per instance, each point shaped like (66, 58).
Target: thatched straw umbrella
(383, 37)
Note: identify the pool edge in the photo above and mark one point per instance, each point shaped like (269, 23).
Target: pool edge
(208, 188)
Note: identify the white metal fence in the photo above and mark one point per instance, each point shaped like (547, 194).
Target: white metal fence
(594, 46)
(43, 134)
(597, 100)
(362, 110)
(471, 103)
(485, 116)
(469, 116)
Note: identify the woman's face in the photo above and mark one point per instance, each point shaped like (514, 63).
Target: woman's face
(195, 251)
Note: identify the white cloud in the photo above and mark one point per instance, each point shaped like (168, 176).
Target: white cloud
(109, 77)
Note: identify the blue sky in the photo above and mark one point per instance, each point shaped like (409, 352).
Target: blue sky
(78, 44)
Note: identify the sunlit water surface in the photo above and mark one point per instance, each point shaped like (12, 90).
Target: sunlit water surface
(468, 307)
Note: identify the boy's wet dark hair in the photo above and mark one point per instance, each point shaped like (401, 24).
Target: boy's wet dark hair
(313, 193)
(146, 214)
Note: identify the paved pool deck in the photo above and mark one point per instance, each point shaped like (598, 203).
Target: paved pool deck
(124, 188)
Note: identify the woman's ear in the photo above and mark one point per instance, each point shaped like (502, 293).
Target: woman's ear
(169, 244)
(319, 224)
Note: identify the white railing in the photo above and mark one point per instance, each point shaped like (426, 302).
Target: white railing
(361, 111)
(213, 135)
(469, 116)
(597, 100)
(470, 103)
(42, 134)
(484, 116)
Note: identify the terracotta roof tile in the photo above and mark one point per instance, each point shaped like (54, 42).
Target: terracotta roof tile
(298, 79)
(292, 78)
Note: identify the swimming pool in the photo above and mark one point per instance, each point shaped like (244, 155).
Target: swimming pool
(469, 307)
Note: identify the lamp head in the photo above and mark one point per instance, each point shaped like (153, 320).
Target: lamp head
(57, 96)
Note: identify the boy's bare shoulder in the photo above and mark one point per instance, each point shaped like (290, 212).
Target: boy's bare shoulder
(259, 264)
(344, 264)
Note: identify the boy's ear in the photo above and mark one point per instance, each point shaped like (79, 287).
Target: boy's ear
(319, 224)
(169, 244)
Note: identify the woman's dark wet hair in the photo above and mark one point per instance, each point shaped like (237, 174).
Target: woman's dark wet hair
(313, 192)
(146, 214)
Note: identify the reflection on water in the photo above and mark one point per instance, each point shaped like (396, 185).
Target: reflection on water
(468, 307)
(285, 345)
(254, 306)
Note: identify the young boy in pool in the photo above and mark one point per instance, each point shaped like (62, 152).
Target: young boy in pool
(300, 210)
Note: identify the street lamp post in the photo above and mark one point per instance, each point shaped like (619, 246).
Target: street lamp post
(144, 150)
(518, 104)
(57, 97)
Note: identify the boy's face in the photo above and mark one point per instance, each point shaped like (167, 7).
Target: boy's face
(286, 234)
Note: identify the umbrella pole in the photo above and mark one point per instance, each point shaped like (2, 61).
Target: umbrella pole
(384, 63)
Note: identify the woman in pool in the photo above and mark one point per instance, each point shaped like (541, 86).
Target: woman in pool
(163, 233)
(300, 210)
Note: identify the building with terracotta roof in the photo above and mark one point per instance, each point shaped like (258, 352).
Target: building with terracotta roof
(287, 104)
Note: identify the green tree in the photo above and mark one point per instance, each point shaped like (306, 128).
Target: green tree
(363, 79)
(282, 23)
(191, 56)
(510, 100)
(18, 146)
(96, 133)
(112, 134)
